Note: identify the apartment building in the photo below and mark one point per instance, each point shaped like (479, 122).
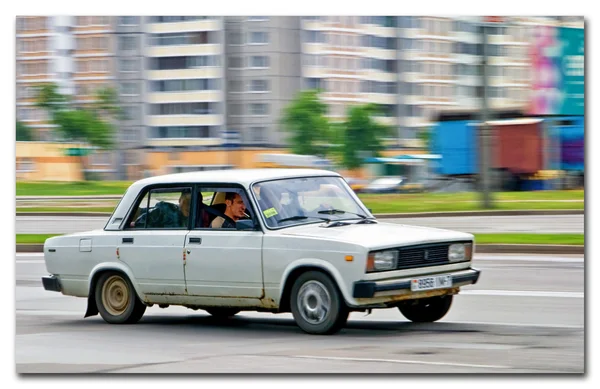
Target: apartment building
(185, 101)
(263, 70)
(35, 65)
(131, 86)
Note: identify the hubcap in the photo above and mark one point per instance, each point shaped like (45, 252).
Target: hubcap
(314, 302)
(115, 295)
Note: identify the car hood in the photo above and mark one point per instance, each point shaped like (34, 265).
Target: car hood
(380, 235)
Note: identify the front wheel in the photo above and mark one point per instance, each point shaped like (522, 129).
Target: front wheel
(426, 310)
(116, 299)
(317, 305)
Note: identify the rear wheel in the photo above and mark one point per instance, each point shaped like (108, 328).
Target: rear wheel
(116, 299)
(223, 313)
(426, 310)
(317, 304)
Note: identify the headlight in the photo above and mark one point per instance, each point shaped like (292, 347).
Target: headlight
(382, 260)
(459, 252)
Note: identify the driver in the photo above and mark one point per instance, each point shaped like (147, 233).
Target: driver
(235, 210)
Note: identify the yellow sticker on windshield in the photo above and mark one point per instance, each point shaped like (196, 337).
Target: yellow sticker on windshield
(270, 212)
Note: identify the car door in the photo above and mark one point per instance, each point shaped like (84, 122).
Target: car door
(224, 263)
(152, 242)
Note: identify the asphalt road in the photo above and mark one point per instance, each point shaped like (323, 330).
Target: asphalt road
(473, 224)
(526, 315)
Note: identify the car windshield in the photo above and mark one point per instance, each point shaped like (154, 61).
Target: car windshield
(294, 201)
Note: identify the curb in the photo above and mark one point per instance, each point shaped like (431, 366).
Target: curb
(378, 215)
(480, 248)
(529, 249)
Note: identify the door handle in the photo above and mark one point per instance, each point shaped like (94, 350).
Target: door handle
(127, 240)
(196, 240)
(189, 251)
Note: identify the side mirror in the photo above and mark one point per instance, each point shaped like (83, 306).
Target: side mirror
(245, 225)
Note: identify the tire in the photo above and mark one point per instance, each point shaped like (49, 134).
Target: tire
(223, 313)
(116, 299)
(426, 310)
(317, 304)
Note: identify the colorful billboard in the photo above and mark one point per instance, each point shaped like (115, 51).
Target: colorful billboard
(557, 56)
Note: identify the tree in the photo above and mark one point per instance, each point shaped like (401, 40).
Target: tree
(362, 134)
(305, 119)
(24, 132)
(81, 124)
(77, 124)
(425, 136)
(107, 103)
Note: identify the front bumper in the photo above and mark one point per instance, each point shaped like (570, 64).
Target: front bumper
(52, 283)
(370, 289)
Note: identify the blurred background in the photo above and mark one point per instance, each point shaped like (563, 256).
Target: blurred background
(394, 103)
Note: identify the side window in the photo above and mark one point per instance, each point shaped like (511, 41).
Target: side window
(163, 208)
(222, 208)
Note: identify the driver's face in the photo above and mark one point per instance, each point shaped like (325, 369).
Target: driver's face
(237, 206)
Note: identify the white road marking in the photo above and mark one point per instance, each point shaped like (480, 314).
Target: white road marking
(30, 261)
(401, 361)
(522, 293)
(29, 255)
(542, 325)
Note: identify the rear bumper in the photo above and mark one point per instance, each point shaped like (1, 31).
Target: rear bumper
(52, 283)
(369, 289)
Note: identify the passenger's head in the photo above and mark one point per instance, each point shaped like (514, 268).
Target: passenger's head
(235, 205)
(184, 203)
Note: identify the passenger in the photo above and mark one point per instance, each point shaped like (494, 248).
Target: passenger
(235, 210)
(184, 207)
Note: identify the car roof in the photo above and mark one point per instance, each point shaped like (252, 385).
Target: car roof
(244, 177)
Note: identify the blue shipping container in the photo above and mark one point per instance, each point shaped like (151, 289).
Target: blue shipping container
(456, 142)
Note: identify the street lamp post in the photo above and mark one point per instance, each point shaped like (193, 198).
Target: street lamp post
(484, 129)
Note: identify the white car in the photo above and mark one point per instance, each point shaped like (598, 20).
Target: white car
(302, 241)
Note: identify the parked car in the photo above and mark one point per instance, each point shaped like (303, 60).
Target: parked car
(357, 184)
(302, 242)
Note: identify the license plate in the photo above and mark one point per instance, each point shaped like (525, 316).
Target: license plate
(429, 283)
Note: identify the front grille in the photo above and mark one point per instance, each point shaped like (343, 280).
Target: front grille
(433, 254)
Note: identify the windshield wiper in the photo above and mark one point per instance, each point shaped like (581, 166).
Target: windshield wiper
(336, 224)
(339, 212)
(366, 221)
(299, 217)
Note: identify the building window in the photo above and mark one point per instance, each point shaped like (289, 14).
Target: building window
(259, 61)
(259, 86)
(179, 132)
(258, 134)
(236, 86)
(236, 62)
(185, 85)
(259, 38)
(129, 20)
(127, 43)
(236, 38)
(204, 108)
(187, 38)
(171, 63)
(259, 109)
(175, 19)
(130, 134)
(131, 113)
(130, 89)
(128, 65)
